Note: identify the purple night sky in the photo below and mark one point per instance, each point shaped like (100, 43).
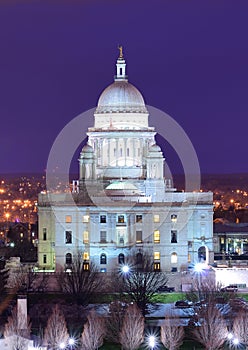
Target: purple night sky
(189, 58)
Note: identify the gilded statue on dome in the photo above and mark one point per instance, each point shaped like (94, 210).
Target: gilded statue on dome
(121, 51)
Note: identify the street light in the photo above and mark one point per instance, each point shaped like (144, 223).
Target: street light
(71, 342)
(125, 269)
(198, 269)
(152, 341)
(62, 345)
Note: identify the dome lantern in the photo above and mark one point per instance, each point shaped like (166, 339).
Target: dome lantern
(120, 66)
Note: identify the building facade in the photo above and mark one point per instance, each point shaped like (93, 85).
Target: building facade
(122, 201)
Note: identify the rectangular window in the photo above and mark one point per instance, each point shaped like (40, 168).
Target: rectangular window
(103, 219)
(86, 256)
(157, 266)
(86, 266)
(174, 218)
(173, 236)
(44, 259)
(156, 255)
(85, 237)
(86, 218)
(138, 236)
(156, 236)
(68, 237)
(68, 219)
(21, 234)
(121, 219)
(156, 218)
(44, 234)
(103, 236)
(139, 218)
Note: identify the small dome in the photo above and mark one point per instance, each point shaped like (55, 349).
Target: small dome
(87, 149)
(155, 148)
(121, 96)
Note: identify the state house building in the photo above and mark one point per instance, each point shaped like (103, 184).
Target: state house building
(122, 201)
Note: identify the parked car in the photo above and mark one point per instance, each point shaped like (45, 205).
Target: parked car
(166, 289)
(230, 288)
(183, 304)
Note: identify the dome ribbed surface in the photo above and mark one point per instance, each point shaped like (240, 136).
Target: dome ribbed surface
(121, 96)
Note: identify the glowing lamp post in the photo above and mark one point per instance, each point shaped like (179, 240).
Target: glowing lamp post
(71, 342)
(152, 341)
(62, 345)
(125, 269)
(198, 269)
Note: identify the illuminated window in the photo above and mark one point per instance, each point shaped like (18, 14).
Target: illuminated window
(139, 218)
(138, 236)
(86, 218)
(85, 237)
(21, 234)
(103, 236)
(68, 219)
(156, 218)
(86, 266)
(68, 237)
(121, 219)
(173, 218)
(44, 259)
(44, 234)
(156, 255)
(103, 259)
(174, 258)
(189, 258)
(156, 236)
(68, 259)
(86, 256)
(173, 236)
(103, 219)
(157, 266)
(222, 240)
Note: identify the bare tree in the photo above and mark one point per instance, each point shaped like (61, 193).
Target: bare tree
(93, 332)
(212, 331)
(56, 330)
(115, 320)
(240, 327)
(172, 333)
(82, 283)
(132, 332)
(16, 332)
(142, 282)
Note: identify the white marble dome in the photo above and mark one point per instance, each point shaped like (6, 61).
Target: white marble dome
(121, 96)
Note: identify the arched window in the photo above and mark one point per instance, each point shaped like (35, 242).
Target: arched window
(174, 258)
(121, 258)
(68, 259)
(139, 258)
(103, 259)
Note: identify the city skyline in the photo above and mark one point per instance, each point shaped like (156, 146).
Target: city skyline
(187, 59)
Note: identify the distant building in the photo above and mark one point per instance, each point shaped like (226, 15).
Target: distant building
(122, 199)
(230, 238)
